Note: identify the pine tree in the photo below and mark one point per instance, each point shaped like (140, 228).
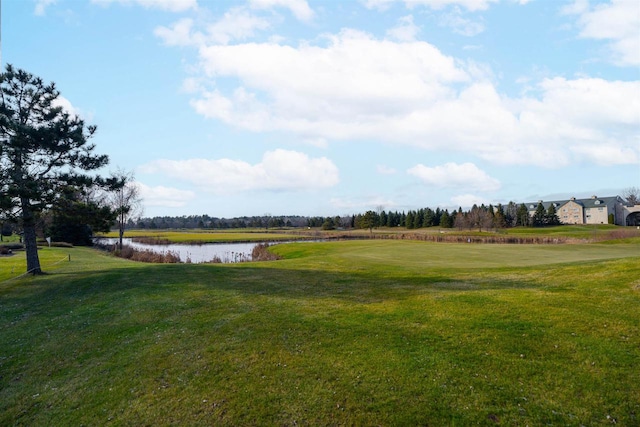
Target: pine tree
(522, 217)
(539, 217)
(42, 149)
(551, 217)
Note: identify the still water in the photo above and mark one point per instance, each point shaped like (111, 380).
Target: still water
(227, 252)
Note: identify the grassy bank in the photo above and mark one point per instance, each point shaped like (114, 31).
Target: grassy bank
(355, 333)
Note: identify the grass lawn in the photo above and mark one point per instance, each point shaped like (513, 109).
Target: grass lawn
(336, 333)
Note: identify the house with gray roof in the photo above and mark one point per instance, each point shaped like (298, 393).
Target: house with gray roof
(594, 210)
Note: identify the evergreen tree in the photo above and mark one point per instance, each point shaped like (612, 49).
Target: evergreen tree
(383, 218)
(42, 149)
(511, 215)
(446, 220)
(418, 218)
(369, 220)
(551, 217)
(499, 219)
(410, 220)
(76, 218)
(428, 220)
(436, 217)
(539, 217)
(328, 224)
(522, 217)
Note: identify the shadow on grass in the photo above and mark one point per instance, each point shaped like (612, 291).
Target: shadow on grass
(355, 287)
(174, 339)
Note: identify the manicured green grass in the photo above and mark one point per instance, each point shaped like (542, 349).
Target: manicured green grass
(340, 333)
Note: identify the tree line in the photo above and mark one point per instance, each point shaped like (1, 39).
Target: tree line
(478, 217)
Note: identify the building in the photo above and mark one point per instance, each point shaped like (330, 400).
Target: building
(594, 210)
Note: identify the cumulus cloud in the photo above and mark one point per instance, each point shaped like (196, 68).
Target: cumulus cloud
(320, 90)
(235, 24)
(279, 170)
(355, 86)
(299, 8)
(453, 175)
(616, 22)
(471, 5)
(405, 31)
(466, 201)
(179, 34)
(168, 5)
(70, 109)
(461, 25)
(164, 196)
(385, 170)
(606, 154)
(41, 6)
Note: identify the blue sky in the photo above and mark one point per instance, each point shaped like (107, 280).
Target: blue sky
(303, 107)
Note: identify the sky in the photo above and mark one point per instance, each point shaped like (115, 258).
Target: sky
(324, 108)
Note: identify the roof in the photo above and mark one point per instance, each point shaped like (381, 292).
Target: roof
(591, 202)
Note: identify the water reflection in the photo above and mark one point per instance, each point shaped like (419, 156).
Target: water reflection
(226, 252)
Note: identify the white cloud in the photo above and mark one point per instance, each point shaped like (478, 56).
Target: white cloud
(41, 6)
(460, 25)
(354, 76)
(299, 8)
(385, 170)
(164, 196)
(471, 5)
(235, 24)
(361, 204)
(606, 154)
(355, 86)
(168, 5)
(179, 34)
(617, 21)
(66, 105)
(453, 175)
(279, 170)
(466, 201)
(69, 108)
(405, 31)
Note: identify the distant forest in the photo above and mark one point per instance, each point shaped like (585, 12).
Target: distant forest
(478, 217)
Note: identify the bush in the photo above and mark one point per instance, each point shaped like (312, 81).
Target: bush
(13, 246)
(128, 252)
(261, 252)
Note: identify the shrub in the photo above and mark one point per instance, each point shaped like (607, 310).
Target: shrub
(147, 255)
(13, 246)
(261, 252)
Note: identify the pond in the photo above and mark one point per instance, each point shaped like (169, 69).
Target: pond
(226, 252)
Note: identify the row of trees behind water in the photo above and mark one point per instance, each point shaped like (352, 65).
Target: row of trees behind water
(478, 217)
